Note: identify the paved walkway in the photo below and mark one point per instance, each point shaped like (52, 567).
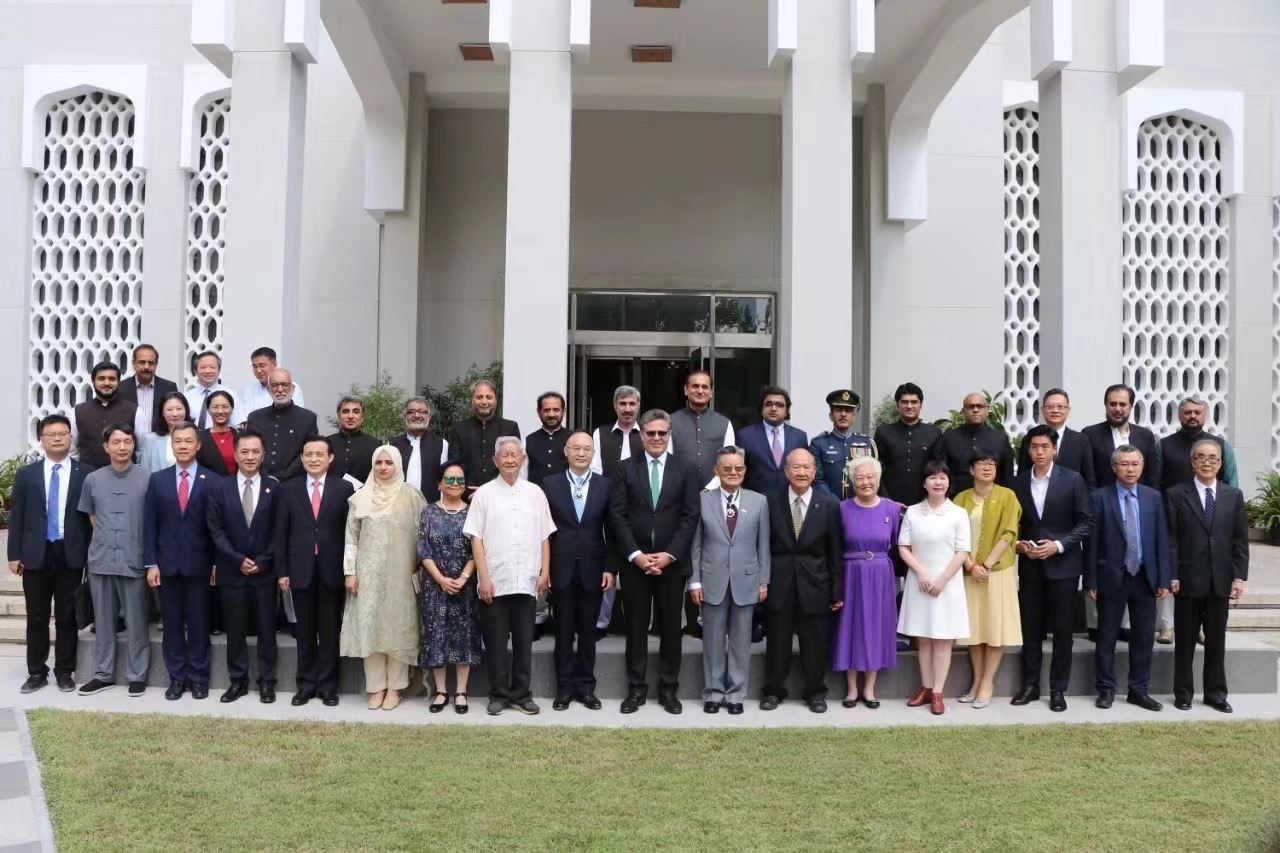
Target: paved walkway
(24, 821)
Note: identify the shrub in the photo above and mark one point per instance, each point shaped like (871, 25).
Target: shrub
(452, 403)
(383, 408)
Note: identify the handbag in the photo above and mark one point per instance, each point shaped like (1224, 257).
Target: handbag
(84, 602)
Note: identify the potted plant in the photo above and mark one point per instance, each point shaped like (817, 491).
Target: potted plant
(8, 472)
(1264, 507)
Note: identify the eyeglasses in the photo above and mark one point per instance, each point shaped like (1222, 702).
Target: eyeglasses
(736, 469)
(657, 433)
(1056, 407)
(1205, 457)
(55, 435)
(773, 404)
(278, 386)
(416, 412)
(455, 481)
(975, 406)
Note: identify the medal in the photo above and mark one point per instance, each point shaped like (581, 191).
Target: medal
(578, 487)
(731, 511)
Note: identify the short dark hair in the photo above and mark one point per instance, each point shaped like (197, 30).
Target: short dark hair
(982, 455)
(158, 424)
(1041, 431)
(934, 466)
(195, 359)
(350, 398)
(247, 435)
(545, 394)
(123, 427)
(312, 439)
(104, 365)
(50, 420)
(452, 464)
(1111, 389)
(186, 425)
(223, 392)
(907, 388)
(775, 391)
(140, 347)
(699, 370)
(261, 351)
(1055, 392)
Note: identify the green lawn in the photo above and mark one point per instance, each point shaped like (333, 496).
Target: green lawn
(116, 781)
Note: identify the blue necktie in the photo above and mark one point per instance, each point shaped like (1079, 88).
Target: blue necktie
(579, 498)
(51, 511)
(1208, 508)
(1131, 562)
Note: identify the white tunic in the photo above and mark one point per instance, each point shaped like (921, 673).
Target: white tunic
(512, 521)
(935, 536)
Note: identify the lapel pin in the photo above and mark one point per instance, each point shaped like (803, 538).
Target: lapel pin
(268, 491)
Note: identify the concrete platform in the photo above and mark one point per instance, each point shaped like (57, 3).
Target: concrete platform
(1252, 667)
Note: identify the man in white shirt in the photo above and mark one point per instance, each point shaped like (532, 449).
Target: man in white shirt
(424, 453)
(509, 525)
(208, 367)
(257, 395)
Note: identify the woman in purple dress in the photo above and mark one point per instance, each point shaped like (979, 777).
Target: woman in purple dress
(865, 642)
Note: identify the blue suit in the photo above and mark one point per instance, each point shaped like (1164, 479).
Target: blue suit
(178, 544)
(1105, 573)
(763, 475)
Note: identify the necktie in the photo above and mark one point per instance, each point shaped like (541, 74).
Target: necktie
(777, 448)
(655, 483)
(204, 411)
(184, 491)
(1131, 534)
(51, 511)
(246, 501)
(731, 515)
(797, 517)
(1209, 505)
(315, 498)
(579, 496)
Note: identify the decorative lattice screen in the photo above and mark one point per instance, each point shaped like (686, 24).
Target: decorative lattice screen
(1275, 334)
(1021, 268)
(86, 266)
(1174, 331)
(206, 244)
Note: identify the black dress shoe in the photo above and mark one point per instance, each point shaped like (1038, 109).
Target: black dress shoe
(818, 706)
(734, 708)
(234, 692)
(1142, 700)
(601, 633)
(329, 699)
(267, 694)
(302, 698)
(34, 683)
(1026, 696)
(1057, 701)
(849, 702)
(1093, 635)
(201, 691)
(1182, 704)
(768, 702)
(66, 683)
(757, 634)
(711, 707)
(871, 703)
(670, 703)
(175, 691)
(561, 702)
(1219, 705)
(590, 702)
(1106, 698)
(632, 703)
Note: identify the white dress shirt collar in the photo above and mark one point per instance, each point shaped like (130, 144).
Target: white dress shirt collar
(1201, 488)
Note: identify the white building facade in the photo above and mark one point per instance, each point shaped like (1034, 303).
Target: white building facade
(967, 194)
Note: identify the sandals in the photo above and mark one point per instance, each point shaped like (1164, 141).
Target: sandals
(460, 709)
(438, 706)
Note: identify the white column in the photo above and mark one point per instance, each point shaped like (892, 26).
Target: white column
(15, 267)
(815, 330)
(540, 119)
(164, 275)
(264, 189)
(399, 251)
(1250, 312)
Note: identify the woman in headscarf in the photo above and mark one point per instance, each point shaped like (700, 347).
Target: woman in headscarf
(380, 624)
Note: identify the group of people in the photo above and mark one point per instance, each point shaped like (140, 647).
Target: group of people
(439, 553)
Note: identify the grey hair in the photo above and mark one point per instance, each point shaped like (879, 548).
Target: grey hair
(504, 440)
(654, 415)
(625, 391)
(1196, 444)
(862, 462)
(730, 450)
(1123, 449)
(423, 400)
(350, 398)
(1193, 399)
(479, 382)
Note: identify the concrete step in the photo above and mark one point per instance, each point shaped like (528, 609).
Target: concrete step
(10, 584)
(13, 629)
(13, 605)
(1254, 619)
(1251, 668)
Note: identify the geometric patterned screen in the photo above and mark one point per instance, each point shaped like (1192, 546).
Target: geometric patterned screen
(1275, 334)
(86, 262)
(206, 234)
(1174, 338)
(1021, 268)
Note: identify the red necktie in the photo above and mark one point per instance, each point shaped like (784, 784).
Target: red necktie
(184, 492)
(315, 505)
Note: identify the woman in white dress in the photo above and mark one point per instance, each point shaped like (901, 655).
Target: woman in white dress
(934, 543)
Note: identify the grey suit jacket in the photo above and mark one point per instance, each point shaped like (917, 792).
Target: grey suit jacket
(740, 563)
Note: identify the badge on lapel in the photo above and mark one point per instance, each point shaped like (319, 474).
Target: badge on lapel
(266, 491)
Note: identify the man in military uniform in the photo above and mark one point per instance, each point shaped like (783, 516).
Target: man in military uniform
(834, 448)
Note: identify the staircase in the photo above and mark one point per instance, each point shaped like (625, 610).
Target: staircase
(13, 611)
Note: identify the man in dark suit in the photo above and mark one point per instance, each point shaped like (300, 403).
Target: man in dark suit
(545, 447)
(905, 445)
(767, 442)
(807, 583)
(178, 554)
(424, 453)
(353, 448)
(306, 556)
(284, 426)
(48, 546)
(1056, 519)
(656, 505)
(1074, 450)
(957, 446)
(1127, 566)
(1209, 547)
(242, 526)
(579, 502)
(1116, 430)
(471, 441)
(144, 389)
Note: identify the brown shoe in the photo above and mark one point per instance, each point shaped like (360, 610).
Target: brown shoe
(935, 704)
(921, 698)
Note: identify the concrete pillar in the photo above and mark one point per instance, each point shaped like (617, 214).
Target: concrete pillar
(535, 337)
(264, 188)
(15, 267)
(164, 275)
(815, 330)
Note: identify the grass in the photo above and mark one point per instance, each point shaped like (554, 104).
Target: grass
(125, 781)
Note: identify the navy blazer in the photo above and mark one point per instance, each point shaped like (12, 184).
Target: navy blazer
(178, 542)
(305, 543)
(578, 548)
(669, 526)
(28, 518)
(763, 475)
(1104, 552)
(1103, 444)
(233, 540)
(1068, 518)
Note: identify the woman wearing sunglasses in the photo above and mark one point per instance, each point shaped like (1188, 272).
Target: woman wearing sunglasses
(450, 633)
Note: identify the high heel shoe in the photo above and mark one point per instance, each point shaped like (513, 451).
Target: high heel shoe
(922, 697)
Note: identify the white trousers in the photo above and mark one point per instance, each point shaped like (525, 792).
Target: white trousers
(383, 672)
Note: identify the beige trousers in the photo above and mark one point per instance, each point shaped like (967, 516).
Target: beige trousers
(382, 672)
